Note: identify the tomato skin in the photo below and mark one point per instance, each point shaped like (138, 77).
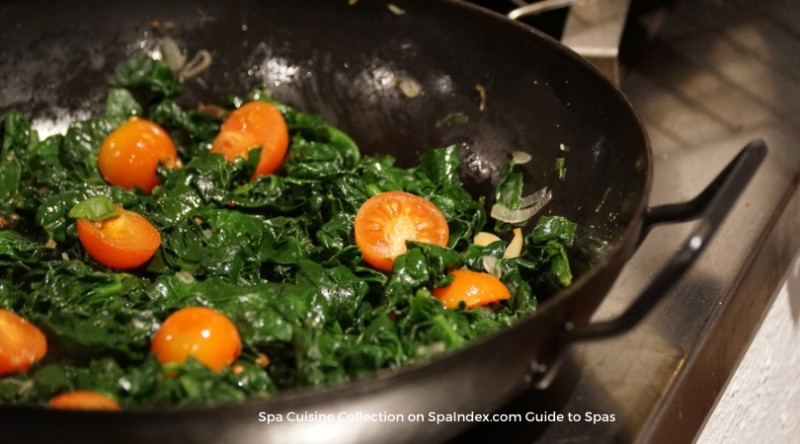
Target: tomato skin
(121, 242)
(201, 332)
(253, 125)
(83, 400)
(21, 343)
(386, 221)
(130, 155)
(472, 287)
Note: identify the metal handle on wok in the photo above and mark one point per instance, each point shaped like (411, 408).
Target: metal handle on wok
(711, 207)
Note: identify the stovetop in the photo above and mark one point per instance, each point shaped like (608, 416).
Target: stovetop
(717, 74)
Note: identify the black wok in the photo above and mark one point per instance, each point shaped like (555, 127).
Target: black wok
(338, 60)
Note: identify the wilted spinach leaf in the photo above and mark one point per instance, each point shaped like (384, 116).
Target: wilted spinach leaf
(276, 254)
(146, 76)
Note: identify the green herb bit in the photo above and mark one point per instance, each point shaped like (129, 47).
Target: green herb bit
(94, 208)
(561, 169)
(454, 118)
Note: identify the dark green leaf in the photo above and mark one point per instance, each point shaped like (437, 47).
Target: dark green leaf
(552, 228)
(81, 144)
(441, 166)
(509, 189)
(149, 77)
(120, 102)
(276, 254)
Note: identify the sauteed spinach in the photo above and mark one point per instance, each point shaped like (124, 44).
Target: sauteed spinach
(275, 254)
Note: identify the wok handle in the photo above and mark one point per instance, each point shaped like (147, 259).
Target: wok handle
(710, 207)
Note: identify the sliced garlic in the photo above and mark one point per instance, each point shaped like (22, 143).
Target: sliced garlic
(520, 157)
(431, 349)
(408, 86)
(396, 10)
(514, 248)
(483, 239)
(184, 277)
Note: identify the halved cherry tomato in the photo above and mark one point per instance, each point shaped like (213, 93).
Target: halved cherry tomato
(253, 125)
(21, 343)
(386, 221)
(124, 241)
(130, 155)
(83, 400)
(203, 333)
(472, 287)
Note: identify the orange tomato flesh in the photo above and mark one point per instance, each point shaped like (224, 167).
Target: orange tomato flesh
(386, 221)
(130, 155)
(472, 287)
(253, 125)
(83, 400)
(21, 343)
(124, 241)
(203, 333)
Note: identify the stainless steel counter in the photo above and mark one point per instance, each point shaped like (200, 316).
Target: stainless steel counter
(718, 74)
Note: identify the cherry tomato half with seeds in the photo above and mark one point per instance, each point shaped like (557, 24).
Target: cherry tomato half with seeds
(130, 155)
(124, 241)
(386, 221)
(472, 287)
(21, 343)
(253, 125)
(201, 332)
(83, 400)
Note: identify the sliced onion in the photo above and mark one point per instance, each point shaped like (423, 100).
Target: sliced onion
(483, 239)
(528, 206)
(200, 63)
(505, 214)
(490, 265)
(520, 157)
(536, 198)
(172, 54)
(514, 248)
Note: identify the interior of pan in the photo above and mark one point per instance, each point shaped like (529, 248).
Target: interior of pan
(485, 85)
(488, 85)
